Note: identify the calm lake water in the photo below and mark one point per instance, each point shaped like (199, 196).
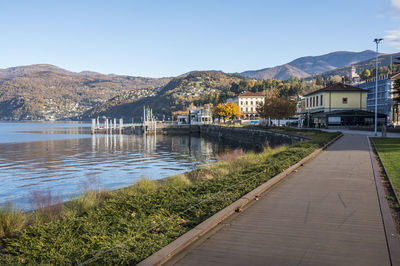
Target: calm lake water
(65, 159)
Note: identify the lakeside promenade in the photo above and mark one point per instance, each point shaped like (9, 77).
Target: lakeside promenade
(326, 213)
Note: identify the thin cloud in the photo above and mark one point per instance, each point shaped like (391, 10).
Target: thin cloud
(396, 6)
(393, 38)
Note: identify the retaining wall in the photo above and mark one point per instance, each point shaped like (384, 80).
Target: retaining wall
(248, 135)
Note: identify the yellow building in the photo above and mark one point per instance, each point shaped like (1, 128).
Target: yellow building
(339, 105)
(336, 97)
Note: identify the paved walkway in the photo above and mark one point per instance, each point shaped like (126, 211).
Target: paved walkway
(327, 213)
(365, 133)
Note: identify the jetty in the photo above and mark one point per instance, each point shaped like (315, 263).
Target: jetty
(110, 126)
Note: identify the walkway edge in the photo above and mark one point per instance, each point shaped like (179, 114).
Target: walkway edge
(392, 241)
(173, 248)
(375, 150)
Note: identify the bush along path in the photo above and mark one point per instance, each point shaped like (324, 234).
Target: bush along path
(128, 225)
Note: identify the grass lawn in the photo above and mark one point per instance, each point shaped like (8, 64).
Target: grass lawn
(389, 151)
(125, 226)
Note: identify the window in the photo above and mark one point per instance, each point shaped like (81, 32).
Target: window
(307, 102)
(317, 100)
(241, 103)
(251, 103)
(247, 102)
(344, 100)
(247, 109)
(322, 103)
(251, 109)
(313, 101)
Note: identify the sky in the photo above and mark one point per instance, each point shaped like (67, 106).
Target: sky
(160, 38)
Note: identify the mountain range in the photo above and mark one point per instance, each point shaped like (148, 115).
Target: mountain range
(304, 67)
(383, 60)
(47, 92)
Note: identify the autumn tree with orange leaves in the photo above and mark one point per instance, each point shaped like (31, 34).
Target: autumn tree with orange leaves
(227, 111)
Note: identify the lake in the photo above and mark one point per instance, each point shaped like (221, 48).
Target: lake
(65, 159)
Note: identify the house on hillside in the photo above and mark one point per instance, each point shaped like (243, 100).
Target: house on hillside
(353, 76)
(338, 105)
(385, 96)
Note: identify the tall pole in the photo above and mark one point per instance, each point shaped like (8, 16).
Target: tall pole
(377, 41)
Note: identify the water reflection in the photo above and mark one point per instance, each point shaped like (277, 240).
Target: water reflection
(62, 166)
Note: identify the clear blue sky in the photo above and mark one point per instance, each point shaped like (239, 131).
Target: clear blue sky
(168, 37)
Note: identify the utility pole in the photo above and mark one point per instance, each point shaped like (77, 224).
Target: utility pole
(377, 41)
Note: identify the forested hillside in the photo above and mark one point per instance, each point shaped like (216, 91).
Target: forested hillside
(47, 92)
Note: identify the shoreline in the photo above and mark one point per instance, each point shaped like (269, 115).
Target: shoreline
(168, 210)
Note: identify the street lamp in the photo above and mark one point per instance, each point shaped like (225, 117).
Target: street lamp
(377, 41)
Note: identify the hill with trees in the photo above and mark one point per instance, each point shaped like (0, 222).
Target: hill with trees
(385, 65)
(282, 72)
(47, 92)
(196, 88)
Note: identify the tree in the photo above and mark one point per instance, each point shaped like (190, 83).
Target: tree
(396, 94)
(396, 98)
(336, 79)
(365, 74)
(320, 81)
(277, 108)
(227, 111)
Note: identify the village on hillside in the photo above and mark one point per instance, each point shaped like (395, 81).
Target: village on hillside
(341, 104)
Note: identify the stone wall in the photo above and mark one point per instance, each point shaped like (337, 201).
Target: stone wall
(249, 136)
(179, 129)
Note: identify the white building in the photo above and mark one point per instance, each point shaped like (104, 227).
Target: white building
(196, 117)
(249, 101)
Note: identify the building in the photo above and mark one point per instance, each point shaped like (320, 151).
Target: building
(183, 119)
(385, 96)
(336, 97)
(197, 116)
(339, 105)
(249, 101)
(353, 76)
(300, 106)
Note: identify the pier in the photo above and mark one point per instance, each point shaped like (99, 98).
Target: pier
(110, 126)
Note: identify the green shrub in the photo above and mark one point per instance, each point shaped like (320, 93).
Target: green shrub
(11, 220)
(83, 203)
(177, 181)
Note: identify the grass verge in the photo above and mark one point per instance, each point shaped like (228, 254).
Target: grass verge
(128, 225)
(389, 152)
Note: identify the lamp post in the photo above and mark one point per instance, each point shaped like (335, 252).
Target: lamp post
(377, 41)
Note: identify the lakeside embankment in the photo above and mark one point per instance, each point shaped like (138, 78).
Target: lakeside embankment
(254, 136)
(128, 225)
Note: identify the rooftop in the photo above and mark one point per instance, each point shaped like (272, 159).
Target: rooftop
(338, 87)
(249, 93)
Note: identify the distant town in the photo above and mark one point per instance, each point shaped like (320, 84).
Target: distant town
(348, 102)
